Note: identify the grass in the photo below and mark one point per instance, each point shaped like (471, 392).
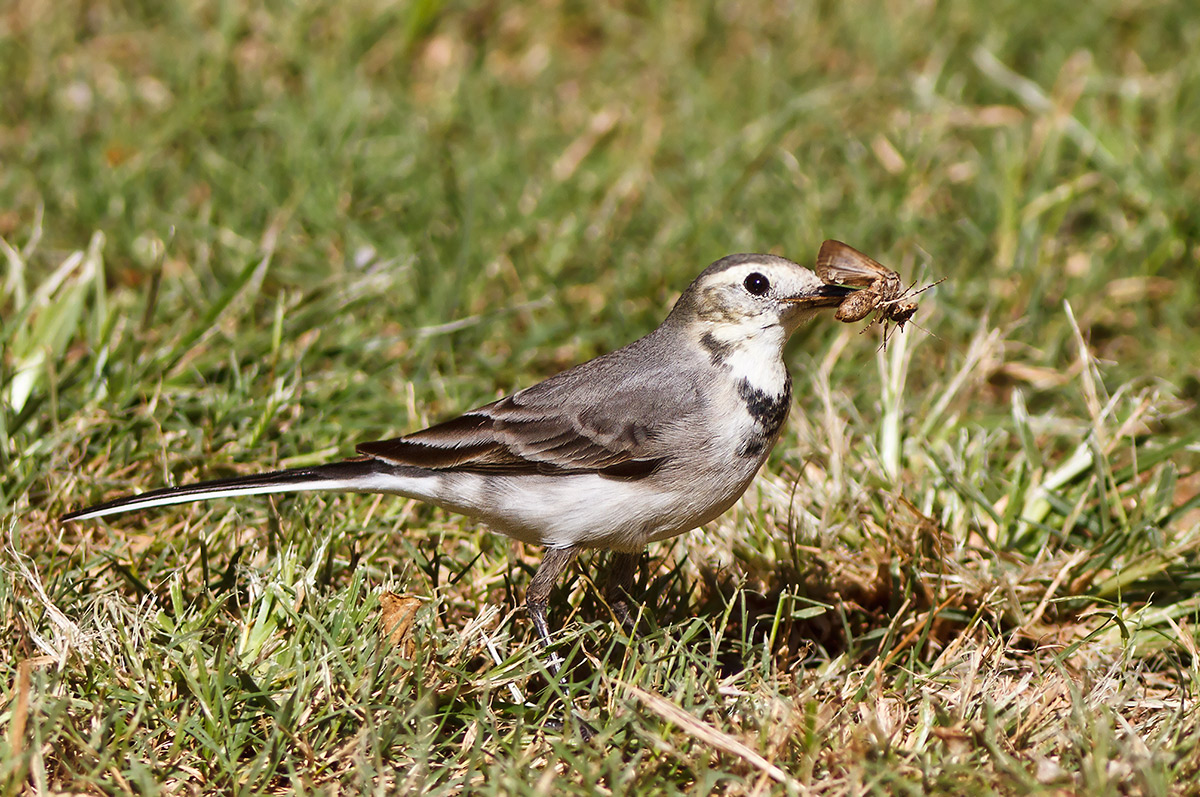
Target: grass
(237, 239)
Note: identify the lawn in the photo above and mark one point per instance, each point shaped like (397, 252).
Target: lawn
(238, 239)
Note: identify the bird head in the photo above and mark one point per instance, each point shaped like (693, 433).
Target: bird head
(749, 294)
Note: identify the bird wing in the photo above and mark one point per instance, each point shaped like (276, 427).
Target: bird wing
(608, 416)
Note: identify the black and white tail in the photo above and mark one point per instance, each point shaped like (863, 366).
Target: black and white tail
(354, 475)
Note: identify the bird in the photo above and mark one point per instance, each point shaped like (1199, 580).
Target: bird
(633, 447)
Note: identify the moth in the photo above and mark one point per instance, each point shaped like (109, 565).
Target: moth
(882, 290)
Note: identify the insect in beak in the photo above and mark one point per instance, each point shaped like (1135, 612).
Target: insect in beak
(879, 289)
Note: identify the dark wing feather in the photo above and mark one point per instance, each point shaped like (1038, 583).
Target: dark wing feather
(589, 419)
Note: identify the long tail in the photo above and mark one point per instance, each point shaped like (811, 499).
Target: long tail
(352, 475)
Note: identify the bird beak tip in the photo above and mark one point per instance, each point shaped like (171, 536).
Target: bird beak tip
(825, 296)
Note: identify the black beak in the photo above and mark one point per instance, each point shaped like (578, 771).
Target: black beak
(830, 295)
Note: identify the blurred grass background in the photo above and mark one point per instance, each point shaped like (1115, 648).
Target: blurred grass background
(238, 238)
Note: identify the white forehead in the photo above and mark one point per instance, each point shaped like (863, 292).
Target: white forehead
(734, 269)
(746, 263)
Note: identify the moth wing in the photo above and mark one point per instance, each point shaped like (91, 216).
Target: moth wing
(842, 264)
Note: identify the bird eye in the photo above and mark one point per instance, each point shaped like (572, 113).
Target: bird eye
(757, 284)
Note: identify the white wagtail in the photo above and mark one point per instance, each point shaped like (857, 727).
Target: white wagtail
(642, 444)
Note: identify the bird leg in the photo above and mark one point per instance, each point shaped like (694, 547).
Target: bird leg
(555, 562)
(619, 587)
